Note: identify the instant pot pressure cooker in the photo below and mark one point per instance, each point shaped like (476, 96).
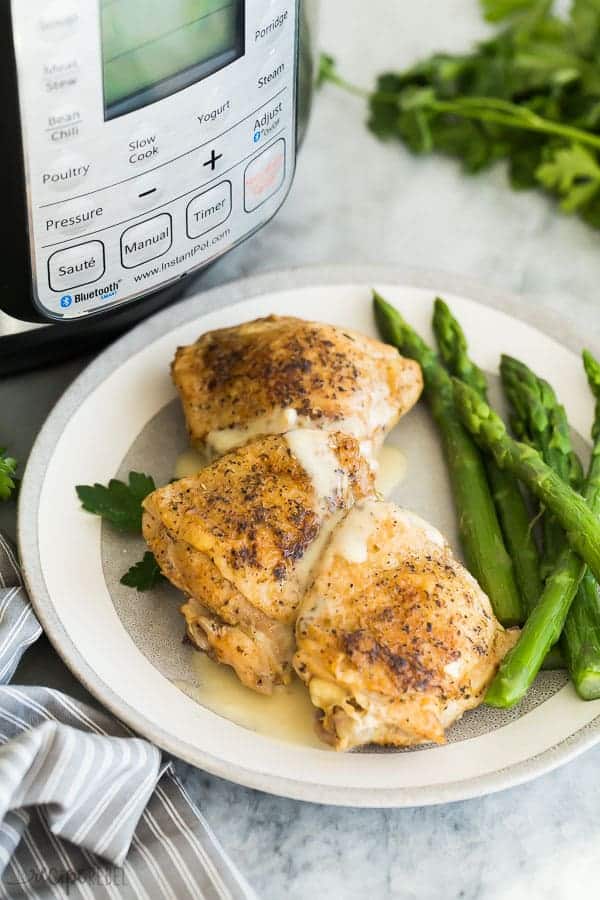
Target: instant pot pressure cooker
(143, 139)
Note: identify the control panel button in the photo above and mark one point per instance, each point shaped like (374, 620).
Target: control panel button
(271, 74)
(146, 241)
(147, 191)
(59, 20)
(73, 217)
(63, 125)
(143, 149)
(214, 113)
(209, 209)
(61, 74)
(271, 26)
(76, 266)
(66, 173)
(264, 175)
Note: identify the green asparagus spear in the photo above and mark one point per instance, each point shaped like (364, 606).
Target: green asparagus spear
(510, 504)
(544, 421)
(480, 532)
(576, 514)
(539, 420)
(581, 635)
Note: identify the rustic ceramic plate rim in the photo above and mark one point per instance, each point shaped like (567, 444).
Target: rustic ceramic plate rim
(147, 332)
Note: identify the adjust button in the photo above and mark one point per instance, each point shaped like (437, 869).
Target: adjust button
(264, 176)
(146, 241)
(209, 209)
(76, 266)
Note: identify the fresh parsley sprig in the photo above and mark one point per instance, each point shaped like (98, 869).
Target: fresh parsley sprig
(120, 504)
(530, 95)
(8, 481)
(144, 575)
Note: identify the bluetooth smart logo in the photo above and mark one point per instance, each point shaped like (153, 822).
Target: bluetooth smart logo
(66, 301)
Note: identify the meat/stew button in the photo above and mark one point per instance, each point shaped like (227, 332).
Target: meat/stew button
(264, 175)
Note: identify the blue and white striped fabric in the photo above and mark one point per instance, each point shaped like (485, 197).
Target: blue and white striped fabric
(88, 810)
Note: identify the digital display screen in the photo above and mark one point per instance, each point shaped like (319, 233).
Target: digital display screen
(153, 48)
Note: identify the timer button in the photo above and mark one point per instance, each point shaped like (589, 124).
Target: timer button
(209, 209)
(76, 266)
(264, 176)
(146, 241)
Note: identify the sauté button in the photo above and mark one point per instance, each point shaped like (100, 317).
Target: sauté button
(76, 266)
(209, 209)
(264, 175)
(146, 241)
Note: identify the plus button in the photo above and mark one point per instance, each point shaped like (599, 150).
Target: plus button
(212, 160)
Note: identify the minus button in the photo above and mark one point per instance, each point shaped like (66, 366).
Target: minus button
(147, 193)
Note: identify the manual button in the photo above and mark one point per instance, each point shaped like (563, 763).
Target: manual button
(76, 266)
(146, 241)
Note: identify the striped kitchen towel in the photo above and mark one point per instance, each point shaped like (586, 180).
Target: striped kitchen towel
(88, 810)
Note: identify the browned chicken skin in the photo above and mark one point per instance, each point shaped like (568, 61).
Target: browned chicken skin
(395, 638)
(237, 539)
(280, 373)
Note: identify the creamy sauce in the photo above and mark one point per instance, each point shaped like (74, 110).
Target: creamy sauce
(224, 439)
(189, 462)
(287, 714)
(313, 451)
(351, 540)
(392, 467)
(305, 566)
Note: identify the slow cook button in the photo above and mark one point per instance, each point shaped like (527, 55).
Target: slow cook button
(264, 176)
(146, 241)
(76, 266)
(209, 209)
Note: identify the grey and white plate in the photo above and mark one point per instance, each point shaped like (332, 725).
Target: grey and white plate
(126, 648)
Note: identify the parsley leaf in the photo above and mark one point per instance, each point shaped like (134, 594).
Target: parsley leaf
(8, 467)
(529, 96)
(573, 173)
(118, 503)
(144, 575)
(495, 10)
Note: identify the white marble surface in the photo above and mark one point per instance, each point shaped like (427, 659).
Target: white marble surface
(356, 200)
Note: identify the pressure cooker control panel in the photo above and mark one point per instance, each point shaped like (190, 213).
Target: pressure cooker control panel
(156, 136)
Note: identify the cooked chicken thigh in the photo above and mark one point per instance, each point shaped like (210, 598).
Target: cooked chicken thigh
(275, 374)
(239, 539)
(395, 638)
